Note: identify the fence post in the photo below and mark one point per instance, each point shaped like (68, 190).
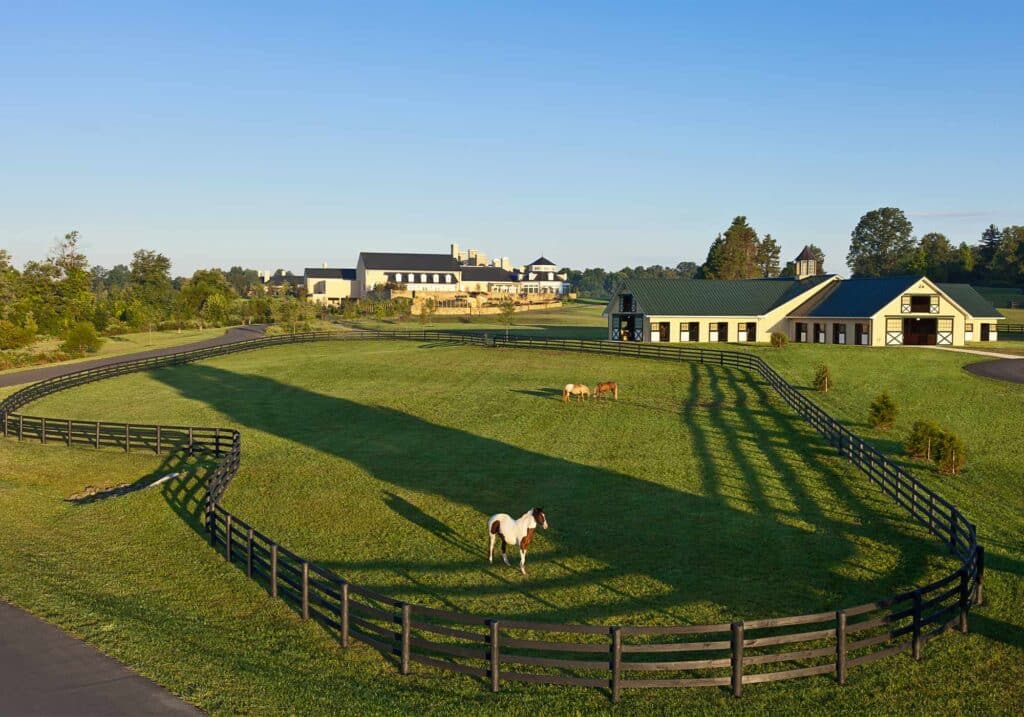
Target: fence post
(344, 613)
(227, 537)
(305, 590)
(406, 610)
(841, 646)
(158, 441)
(494, 656)
(916, 627)
(42, 433)
(127, 438)
(190, 440)
(953, 515)
(737, 659)
(21, 426)
(980, 576)
(616, 666)
(248, 553)
(964, 599)
(273, 570)
(69, 432)
(931, 511)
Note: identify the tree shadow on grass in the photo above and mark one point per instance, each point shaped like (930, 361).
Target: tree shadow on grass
(698, 548)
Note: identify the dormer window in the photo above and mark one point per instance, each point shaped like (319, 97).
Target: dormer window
(626, 303)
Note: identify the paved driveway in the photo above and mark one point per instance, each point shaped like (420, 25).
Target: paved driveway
(44, 671)
(1002, 369)
(31, 375)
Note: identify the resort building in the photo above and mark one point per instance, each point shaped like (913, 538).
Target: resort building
(331, 286)
(821, 308)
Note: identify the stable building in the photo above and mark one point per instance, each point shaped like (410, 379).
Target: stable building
(896, 311)
(819, 308)
(692, 310)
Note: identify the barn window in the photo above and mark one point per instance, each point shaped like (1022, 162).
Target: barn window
(423, 278)
(920, 304)
(398, 278)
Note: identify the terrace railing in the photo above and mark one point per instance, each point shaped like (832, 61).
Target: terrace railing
(726, 655)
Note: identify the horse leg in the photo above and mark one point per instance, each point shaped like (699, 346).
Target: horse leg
(504, 550)
(522, 560)
(490, 550)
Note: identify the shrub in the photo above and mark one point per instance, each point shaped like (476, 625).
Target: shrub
(81, 338)
(823, 379)
(13, 336)
(949, 453)
(779, 340)
(882, 413)
(923, 440)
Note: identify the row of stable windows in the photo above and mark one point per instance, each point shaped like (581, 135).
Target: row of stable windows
(818, 333)
(689, 331)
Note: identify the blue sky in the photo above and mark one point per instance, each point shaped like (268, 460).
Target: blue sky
(602, 134)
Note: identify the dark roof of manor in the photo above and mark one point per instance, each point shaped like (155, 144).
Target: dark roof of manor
(330, 274)
(409, 262)
(486, 273)
(541, 261)
(806, 254)
(716, 297)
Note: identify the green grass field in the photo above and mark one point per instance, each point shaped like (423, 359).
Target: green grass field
(579, 320)
(696, 498)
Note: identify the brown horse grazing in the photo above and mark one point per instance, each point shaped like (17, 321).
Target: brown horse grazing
(578, 390)
(607, 387)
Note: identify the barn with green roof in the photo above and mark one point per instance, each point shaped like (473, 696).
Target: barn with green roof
(807, 308)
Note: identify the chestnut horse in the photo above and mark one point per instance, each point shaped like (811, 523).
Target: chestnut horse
(519, 532)
(578, 390)
(607, 387)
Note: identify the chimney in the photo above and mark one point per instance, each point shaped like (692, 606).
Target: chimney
(455, 251)
(324, 265)
(506, 263)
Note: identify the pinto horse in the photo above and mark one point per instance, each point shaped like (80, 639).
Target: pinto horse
(607, 387)
(578, 390)
(519, 532)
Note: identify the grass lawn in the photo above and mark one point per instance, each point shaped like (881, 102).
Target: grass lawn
(579, 320)
(696, 498)
(126, 344)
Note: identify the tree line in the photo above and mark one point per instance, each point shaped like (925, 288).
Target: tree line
(881, 244)
(62, 295)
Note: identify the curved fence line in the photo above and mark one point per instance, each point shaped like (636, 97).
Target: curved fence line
(614, 657)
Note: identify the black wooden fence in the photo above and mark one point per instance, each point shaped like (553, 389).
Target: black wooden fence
(498, 650)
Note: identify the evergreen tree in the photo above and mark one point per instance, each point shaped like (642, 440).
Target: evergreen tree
(734, 254)
(768, 252)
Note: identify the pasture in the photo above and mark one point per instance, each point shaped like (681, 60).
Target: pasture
(696, 497)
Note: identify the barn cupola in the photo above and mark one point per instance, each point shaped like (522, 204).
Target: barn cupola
(806, 264)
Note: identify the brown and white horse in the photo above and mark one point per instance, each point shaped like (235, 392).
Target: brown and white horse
(518, 532)
(607, 387)
(578, 390)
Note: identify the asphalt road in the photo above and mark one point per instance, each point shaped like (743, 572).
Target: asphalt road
(1003, 369)
(44, 671)
(31, 375)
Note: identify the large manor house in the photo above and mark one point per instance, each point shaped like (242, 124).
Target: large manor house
(810, 307)
(441, 276)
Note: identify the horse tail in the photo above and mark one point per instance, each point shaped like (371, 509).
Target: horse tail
(615, 391)
(565, 394)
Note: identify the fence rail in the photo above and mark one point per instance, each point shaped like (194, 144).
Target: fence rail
(612, 657)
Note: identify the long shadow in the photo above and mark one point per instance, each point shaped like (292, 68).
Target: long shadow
(707, 551)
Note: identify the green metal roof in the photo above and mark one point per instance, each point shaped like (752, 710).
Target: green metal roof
(971, 301)
(860, 298)
(714, 297)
